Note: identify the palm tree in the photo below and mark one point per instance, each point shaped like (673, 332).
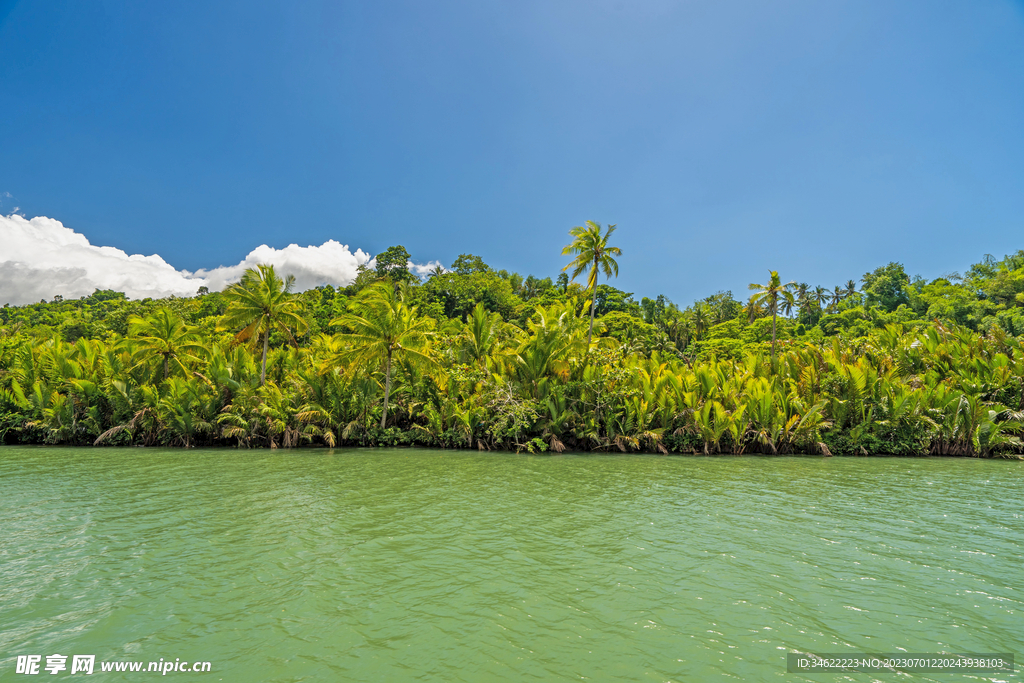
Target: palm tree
(786, 306)
(803, 296)
(820, 296)
(770, 294)
(262, 302)
(851, 288)
(592, 251)
(699, 320)
(384, 330)
(753, 309)
(480, 336)
(163, 335)
(837, 296)
(678, 329)
(555, 338)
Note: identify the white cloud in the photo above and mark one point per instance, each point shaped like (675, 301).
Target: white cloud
(329, 264)
(40, 258)
(423, 270)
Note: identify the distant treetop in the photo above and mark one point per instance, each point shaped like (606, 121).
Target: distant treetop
(468, 263)
(393, 263)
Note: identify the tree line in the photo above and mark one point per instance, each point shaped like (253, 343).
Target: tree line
(476, 358)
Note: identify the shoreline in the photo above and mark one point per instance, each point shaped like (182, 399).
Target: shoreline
(496, 451)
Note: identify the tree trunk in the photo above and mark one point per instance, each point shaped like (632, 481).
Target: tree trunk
(263, 372)
(387, 390)
(590, 333)
(775, 314)
(593, 303)
(167, 371)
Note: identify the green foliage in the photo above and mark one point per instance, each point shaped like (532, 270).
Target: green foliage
(393, 264)
(607, 300)
(382, 331)
(733, 329)
(721, 307)
(458, 293)
(468, 264)
(262, 303)
(774, 296)
(592, 254)
(887, 286)
(475, 358)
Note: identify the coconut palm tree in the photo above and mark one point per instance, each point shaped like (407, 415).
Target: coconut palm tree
(803, 296)
(820, 297)
(786, 306)
(837, 296)
(770, 294)
(699, 320)
(260, 303)
(851, 288)
(593, 253)
(383, 330)
(163, 335)
(753, 309)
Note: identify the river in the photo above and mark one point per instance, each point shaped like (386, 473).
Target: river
(428, 565)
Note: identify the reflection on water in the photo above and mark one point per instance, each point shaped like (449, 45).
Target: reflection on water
(393, 565)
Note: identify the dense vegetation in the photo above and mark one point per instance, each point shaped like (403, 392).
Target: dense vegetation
(478, 358)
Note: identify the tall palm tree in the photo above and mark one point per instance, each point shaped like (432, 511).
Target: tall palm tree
(163, 335)
(851, 288)
(837, 296)
(786, 306)
(593, 253)
(384, 330)
(262, 302)
(803, 296)
(770, 294)
(820, 296)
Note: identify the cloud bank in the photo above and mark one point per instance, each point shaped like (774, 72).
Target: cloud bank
(41, 258)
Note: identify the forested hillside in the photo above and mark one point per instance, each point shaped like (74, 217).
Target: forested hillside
(478, 358)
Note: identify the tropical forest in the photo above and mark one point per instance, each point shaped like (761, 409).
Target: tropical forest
(472, 357)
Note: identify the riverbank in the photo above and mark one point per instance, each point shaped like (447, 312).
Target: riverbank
(170, 373)
(417, 441)
(1010, 457)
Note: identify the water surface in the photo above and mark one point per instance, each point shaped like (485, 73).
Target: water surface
(420, 565)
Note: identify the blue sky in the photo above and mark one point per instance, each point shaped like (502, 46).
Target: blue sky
(724, 138)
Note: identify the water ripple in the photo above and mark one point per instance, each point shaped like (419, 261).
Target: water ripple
(436, 566)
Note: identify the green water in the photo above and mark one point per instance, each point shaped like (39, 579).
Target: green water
(400, 565)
